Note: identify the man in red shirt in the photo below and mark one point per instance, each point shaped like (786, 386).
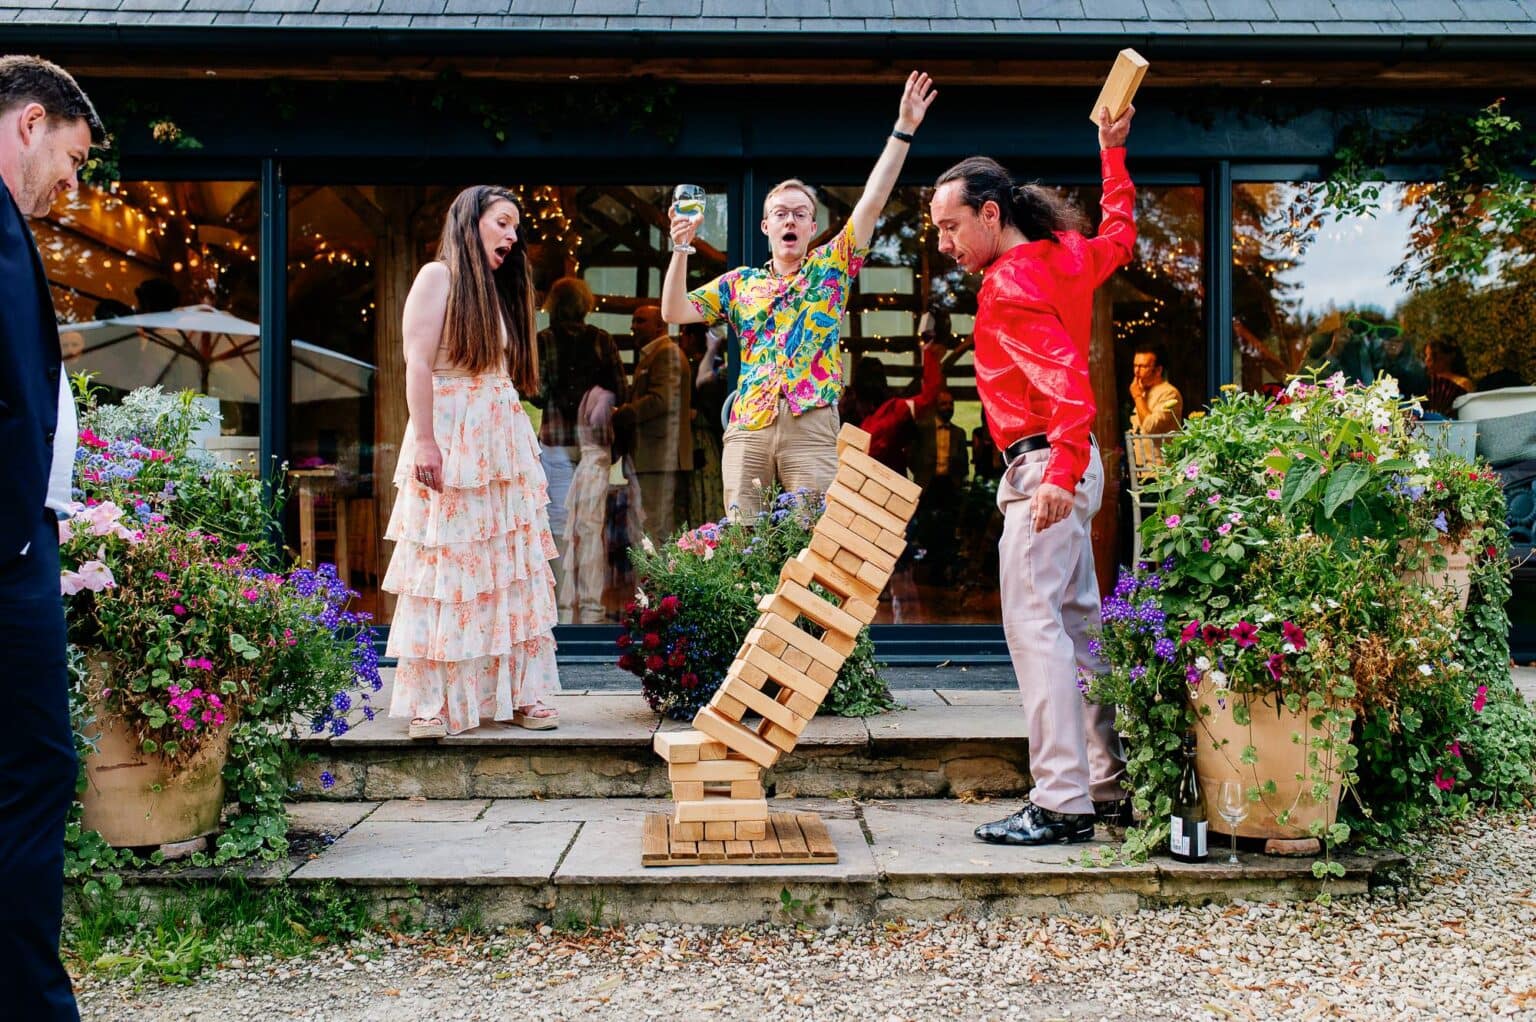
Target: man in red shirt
(1033, 318)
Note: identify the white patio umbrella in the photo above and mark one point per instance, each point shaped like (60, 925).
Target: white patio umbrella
(199, 348)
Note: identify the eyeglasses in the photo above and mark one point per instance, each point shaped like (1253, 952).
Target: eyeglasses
(781, 215)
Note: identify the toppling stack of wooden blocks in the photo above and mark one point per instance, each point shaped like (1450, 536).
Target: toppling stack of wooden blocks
(780, 676)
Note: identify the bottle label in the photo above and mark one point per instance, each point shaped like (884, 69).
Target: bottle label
(1178, 844)
(1187, 838)
(1197, 840)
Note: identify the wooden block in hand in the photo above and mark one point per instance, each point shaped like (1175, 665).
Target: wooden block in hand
(686, 746)
(687, 791)
(852, 436)
(720, 830)
(1120, 87)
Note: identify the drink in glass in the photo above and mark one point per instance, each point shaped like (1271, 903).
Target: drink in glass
(688, 201)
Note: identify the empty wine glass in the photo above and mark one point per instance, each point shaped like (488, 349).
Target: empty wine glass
(688, 201)
(1233, 806)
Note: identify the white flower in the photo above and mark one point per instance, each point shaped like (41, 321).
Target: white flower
(709, 552)
(1298, 412)
(1202, 663)
(1219, 679)
(1426, 670)
(647, 545)
(1421, 459)
(641, 600)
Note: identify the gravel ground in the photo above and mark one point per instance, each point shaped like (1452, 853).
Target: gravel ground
(1457, 942)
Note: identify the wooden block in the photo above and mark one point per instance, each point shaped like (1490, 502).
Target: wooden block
(734, 736)
(744, 671)
(765, 707)
(865, 508)
(719, 771)
(712, 750)
(738, 849)
(690, 831)
(720, 830)
(1120, 87)
(872, 576)
(902, 507)
(687, 791)
(720, 809)
(875, 491)
(847, 560)
(860, 611)
(746, 789)
(799, 659)
(787, 676)
(801, 639)
(852, 436)
(874, 471)
(796, 570)
(801, 705)
(780, 738)
(849, 477)
(861, 547)
(751, 830)
(686, 746)
(686, 851)
(772, 643)
(844, 583)
(823, 612)
(821, 673)
(727, 705)
(787, 830)
(891, 542)
(775, 603)
(817, 841)
(711, 850)
(653, 838)
(851, 519)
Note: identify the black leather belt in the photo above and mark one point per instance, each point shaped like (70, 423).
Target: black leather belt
(1024, 445)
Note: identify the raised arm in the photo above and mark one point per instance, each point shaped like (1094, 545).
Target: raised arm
(422, 324)
(916, 98)
(1115, 243)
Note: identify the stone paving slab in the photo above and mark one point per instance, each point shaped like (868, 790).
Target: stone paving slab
(430, 810)
(980, 697)
(966, 722)
(450, 854)
(328, 818)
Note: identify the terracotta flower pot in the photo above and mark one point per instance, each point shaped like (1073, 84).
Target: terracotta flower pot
(1280, 740)
(135, 799)
(1455, 576)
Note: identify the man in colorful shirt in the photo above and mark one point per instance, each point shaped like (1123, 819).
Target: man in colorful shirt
(784, 420)
(1034, 317)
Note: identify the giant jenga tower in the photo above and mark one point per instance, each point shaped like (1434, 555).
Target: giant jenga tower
(780, 676)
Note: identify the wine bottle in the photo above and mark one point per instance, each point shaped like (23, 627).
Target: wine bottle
(1187, 825)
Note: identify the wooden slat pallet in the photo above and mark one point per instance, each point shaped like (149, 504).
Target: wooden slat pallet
(792, 839)
(779, 678)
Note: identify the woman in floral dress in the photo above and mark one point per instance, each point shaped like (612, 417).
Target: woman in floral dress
(473, 624)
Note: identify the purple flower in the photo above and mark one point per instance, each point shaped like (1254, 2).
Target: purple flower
(1440, 522)
(1164, 649)
(327, 780)
(1138, 672)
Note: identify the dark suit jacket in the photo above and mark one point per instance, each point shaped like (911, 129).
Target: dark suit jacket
(29, 381)
(925, 452)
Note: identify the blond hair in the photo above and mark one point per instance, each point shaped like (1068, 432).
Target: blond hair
(570, 300)
(793, 184)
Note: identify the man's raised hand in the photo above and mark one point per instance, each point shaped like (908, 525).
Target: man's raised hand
(1113, 133)
(916, 98)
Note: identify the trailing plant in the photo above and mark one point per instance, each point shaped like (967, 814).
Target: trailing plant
(697, 599)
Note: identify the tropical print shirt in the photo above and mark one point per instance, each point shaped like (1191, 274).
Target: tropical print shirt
(788, 328)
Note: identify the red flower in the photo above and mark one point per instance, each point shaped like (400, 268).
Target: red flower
(1212, 634)
(1190, 631)
(682, 643)
(1480, 700)
(629, 662)
(624, 640)
(649, 619)
(1443, 782)
(654, 662)
(676, 660)
(630, 609)
(651, 640)
(689, 680)
(1294, 635)
(669, 605)
(1276, 664)
(1245, 634)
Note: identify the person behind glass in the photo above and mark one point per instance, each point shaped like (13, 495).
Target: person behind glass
(47, 129)
(1157, 405)
(1033, 330)
(658, 415)
(570, 350)
(892, 426)
(1395, 358)
(939, 467)
(586, 503)
(1448, 380)
(986, 459)
(784, 420)
(476, 596)
(705, 499)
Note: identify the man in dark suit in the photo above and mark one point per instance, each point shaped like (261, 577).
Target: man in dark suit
(47, 128)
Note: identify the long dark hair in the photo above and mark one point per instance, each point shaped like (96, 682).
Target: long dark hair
(1035, 211)
(480, 300)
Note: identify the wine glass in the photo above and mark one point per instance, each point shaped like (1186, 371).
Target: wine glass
(1233, 806)
(688, 201)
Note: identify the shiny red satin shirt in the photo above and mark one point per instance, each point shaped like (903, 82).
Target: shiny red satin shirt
(1033, 319)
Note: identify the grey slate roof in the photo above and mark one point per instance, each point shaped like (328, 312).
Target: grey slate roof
(1379, 19)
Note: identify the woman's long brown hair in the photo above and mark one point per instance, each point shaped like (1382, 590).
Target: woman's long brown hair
(480, 299)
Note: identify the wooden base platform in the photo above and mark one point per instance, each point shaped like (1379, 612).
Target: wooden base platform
(792, 838)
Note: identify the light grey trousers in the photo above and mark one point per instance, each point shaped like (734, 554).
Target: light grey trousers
(1050, 600)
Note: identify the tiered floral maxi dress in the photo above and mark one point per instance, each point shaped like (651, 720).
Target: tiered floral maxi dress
(473, 627)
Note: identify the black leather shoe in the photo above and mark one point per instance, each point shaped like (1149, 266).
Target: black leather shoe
(1035, 826)
(1114, 813)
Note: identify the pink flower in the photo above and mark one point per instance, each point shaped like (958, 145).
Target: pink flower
(1275, 662)
(252, 594)
(162, 576)
(1454, 749)
(1191, 471)
(1245, 634)
(1190, 631)
(96, 576)
(1294, 636)
(1480, 700)
(1205, 546)
(1443, 782)
(1272, 494)
(1172, 521)
(66, 530)
(178, 609)
(1223, 528)
(1213, 499)
(70, 583)
(1212, 634)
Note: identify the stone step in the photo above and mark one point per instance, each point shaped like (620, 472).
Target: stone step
(577, 862)
(944, 742)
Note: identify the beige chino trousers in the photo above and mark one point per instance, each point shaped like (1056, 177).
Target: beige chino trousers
(799, 451)
(1050, 599)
